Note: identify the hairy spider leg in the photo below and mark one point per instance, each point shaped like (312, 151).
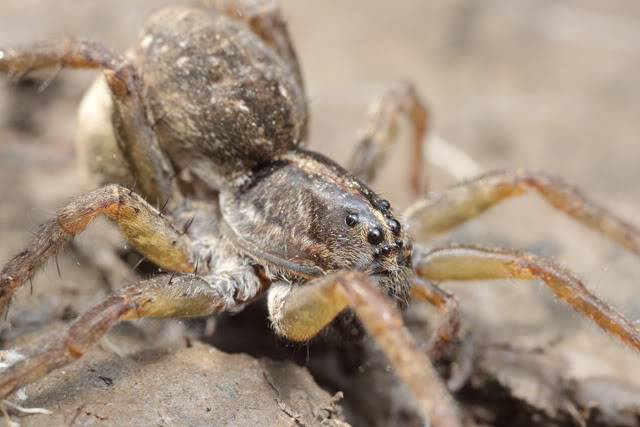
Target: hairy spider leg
(144, 227)
(460, 263)
(182, 295)
(442, 211)
(380, 134)
(301, 312)
(134, 131)
(448, 326)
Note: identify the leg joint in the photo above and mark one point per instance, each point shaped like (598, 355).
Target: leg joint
(73, 349)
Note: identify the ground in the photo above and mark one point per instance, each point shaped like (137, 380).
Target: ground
(544, 85)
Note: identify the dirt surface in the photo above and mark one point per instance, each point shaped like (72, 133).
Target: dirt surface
(550, 85)
(195, 386)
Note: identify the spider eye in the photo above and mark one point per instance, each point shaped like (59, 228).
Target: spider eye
(375, 236)
(382, 250)
(351, 219)
(394, 226)
(384, 205)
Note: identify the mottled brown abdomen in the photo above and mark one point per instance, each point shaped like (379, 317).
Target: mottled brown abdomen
(223, 100)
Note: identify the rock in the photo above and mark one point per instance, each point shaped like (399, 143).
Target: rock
(196, 386)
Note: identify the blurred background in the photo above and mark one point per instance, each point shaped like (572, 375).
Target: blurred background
(549, 85)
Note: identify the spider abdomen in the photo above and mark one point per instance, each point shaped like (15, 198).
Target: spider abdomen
(223, 100)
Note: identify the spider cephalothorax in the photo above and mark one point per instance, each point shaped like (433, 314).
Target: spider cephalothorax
(304, 216)
(217, 94)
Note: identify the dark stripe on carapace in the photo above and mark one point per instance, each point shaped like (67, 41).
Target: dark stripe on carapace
(262, 171)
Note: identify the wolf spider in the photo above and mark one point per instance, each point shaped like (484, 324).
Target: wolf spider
(208, 116)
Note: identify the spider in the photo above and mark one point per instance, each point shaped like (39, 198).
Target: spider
(208, 118)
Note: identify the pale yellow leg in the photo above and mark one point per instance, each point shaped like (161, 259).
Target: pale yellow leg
(475, 263)
(162, 296)
(300, 312)
(144, 227)
(442, 211)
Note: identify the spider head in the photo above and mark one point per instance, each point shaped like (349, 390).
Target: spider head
(384, 248)
(302, 216)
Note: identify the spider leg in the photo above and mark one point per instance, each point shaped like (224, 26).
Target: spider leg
(134, 132)
(476, 263)
(380, 134)
(444, 210)
(448, 327)
(144, 227)
(301, 312)
(163, 296)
